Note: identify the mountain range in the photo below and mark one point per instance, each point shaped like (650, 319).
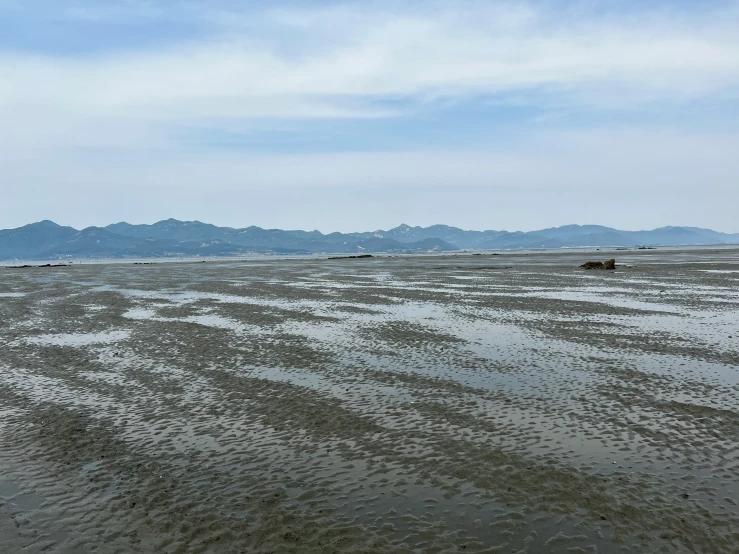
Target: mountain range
(173, 238)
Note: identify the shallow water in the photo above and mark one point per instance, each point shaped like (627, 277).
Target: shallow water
(508, 403)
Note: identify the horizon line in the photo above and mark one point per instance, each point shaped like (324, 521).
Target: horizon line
(373, 230)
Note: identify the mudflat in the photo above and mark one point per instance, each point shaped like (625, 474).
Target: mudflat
(508, 403)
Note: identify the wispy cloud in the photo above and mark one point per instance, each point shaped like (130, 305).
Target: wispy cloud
(137, 110)
(627, 160)
(366, 53)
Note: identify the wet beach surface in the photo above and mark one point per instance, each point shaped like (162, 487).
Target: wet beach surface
(467, 403)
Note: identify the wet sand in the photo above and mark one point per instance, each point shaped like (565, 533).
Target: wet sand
(510, 403)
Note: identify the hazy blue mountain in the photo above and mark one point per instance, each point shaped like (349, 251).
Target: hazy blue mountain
(30, 240)
(195, 230)
(452, 235)
(569, 230)
(683, 235)
(598, 235)
(171, 237)
(92, 241)
(169, 229)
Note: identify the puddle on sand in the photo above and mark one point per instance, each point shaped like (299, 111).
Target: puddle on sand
(207, 319)
(9, 489)
(141, 314)
(14, 494)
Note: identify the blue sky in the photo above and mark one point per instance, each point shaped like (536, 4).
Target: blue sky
(363, 115)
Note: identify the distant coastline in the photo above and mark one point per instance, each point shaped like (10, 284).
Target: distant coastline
(172, 238)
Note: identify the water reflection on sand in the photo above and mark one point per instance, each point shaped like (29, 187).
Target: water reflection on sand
(428, 404)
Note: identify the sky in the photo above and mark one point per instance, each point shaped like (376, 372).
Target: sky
(354, 116)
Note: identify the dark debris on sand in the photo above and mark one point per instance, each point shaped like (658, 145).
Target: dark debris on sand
(27, 266)
(608, 264)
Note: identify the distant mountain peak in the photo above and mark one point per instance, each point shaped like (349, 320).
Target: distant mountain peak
(171, 237)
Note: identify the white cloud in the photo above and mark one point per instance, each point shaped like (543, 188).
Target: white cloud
(113, 120)
(625, 160)
(371, 54)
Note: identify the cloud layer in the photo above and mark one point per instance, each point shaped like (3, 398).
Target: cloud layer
(582, 96)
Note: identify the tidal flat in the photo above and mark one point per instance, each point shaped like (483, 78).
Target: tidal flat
(458, 403)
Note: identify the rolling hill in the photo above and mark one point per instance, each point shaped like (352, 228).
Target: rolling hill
(172, 238)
